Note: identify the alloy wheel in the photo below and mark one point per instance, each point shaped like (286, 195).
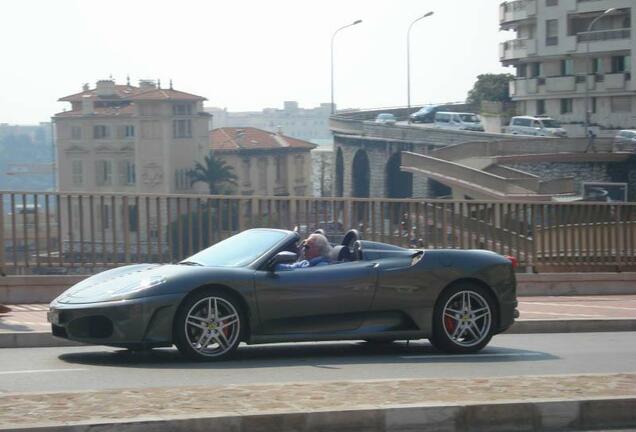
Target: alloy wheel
(212, 326)
(466, 318)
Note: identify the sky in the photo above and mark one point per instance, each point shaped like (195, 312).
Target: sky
(246, 54)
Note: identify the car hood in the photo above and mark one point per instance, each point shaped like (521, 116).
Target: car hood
(118, 283)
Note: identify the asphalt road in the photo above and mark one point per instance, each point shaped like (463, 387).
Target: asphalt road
(87, 368)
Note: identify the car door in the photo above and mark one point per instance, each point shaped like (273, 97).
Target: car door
(322, 299)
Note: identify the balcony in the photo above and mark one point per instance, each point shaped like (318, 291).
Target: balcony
(511, 12)
(560, 84)
(604, 40)
(517, 49)
(603, 35)
(523, 87)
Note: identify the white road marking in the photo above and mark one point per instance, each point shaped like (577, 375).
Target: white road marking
(41, 371)
(561, 304)
(476, 356)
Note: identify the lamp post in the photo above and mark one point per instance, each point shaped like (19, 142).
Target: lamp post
(332, 38)
(587, 71)
(408, 57)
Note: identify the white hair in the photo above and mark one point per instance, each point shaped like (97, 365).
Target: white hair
(323, 244)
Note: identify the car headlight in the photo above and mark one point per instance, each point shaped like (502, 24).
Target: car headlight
(140, 285)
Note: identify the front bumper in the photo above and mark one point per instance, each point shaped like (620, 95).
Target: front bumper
(143, 321)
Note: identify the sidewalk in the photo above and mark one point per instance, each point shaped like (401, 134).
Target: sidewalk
(559, 402)
(26, 325)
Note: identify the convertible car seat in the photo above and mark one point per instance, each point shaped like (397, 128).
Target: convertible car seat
(341, 253)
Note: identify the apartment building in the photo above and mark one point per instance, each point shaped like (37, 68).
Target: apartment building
(302, 123)
(134, 139)
(565, 58)
(266, 163)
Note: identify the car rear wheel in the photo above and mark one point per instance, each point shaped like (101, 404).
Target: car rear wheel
(208, 326)
(464, 319)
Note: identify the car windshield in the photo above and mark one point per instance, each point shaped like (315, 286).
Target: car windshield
(469, 118)
(549, 123)
(237, 251)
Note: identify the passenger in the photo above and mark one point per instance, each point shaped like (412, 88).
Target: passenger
(316, 253)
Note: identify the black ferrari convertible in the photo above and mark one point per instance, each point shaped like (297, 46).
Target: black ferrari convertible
(231, 293)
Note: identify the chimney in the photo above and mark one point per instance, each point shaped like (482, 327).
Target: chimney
(105, 88)
(85, 87)
(279, 130)
(239, 136)
(146, 84)
(87, 105)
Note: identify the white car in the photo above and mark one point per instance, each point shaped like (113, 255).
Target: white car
(386, 118)
(625, 140)
(459, 121)
(538, 126)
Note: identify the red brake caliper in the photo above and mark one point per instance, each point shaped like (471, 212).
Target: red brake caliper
(449, 323)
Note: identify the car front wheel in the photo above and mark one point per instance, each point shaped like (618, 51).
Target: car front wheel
(208, 326)
(464, 319)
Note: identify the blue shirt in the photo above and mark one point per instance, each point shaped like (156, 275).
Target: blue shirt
(318, 261)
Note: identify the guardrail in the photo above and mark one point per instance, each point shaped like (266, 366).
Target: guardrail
(71, 233)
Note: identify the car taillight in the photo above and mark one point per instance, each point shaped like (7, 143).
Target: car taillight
(513, 261)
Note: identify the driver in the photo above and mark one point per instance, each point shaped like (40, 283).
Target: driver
(316, 253)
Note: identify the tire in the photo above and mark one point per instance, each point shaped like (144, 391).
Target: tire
(208, 325)
(464, 319)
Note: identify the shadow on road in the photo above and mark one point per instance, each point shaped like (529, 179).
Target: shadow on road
(320, 354)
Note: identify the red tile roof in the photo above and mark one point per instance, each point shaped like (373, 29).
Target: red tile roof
(165, 94)
(232, 139)
(129, 92)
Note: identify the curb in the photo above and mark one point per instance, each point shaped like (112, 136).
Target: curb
(544, 415)
(46, 339)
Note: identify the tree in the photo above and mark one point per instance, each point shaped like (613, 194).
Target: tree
(490, 87)
(214, 172)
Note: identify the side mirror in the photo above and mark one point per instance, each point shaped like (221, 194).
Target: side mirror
(283, 257)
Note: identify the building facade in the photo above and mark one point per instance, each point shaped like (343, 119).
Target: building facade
(302, 123)
(123, 138)
(266, 163)
(556, 58)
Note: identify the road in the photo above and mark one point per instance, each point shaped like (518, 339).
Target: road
(88, 368)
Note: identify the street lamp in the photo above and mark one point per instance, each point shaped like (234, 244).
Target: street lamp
(587, 71)
(332, 38)
(408, 57)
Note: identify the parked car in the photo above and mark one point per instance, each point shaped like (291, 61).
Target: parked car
(459, 121)
(386, 118)
(231, 292)
(625, 140)
(538, 126)
(426, 114)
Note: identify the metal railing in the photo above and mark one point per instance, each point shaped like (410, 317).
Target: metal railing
(84, 233)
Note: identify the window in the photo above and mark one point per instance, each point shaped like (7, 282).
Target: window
(593, 105)
(129, 131)
(299, 163)
(76, 132)
(551, 2)
(182, 129)
(619, 64)
(535, 69)
(127, 176)
(566, 67)
(597, 65)
(133, 218)
(552, 32)
(522, 70)
(182, 109)
(262, 174)
(78, 177)
(104, 172)
(540, 106)
(622, 104)
(566, 106)
(280, 169)
(247, 174)
(101, 131)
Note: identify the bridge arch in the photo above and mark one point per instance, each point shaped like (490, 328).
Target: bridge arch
(361, 175)
(398, 184)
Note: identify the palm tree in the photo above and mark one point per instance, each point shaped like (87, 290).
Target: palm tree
(214, 172)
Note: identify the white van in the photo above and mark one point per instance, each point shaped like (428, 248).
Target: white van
(458, 120)
(538, 126)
